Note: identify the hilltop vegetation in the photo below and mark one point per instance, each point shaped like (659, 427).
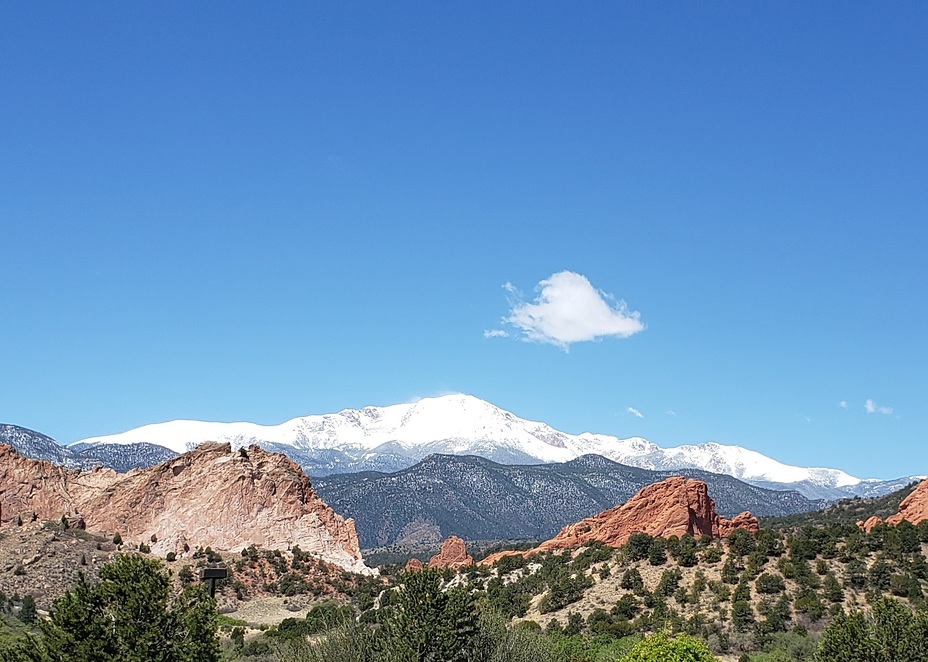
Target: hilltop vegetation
(814, 587)
(795, 593)
(846, 512)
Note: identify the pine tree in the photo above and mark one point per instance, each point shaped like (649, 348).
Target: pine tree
(129, 616)
(429, 623)
(27, 611)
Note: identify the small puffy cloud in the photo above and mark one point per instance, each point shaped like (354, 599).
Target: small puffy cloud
(671, 412)
(873, 408)
(634, 412)
(568, 309)
(495, 333)
(843, 404)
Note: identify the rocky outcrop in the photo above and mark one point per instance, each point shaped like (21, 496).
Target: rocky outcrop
(413, 565)
(453, 555)
(743, 520)
(211, 496)
(672, 507)
(913, 509)
(871, 522)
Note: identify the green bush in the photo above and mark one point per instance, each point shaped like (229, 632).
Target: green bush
(129, 616)
(891, 632)
(659, 648)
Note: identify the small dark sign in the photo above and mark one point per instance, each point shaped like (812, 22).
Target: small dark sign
(213, 573)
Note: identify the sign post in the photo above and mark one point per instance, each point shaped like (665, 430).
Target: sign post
(213, 574)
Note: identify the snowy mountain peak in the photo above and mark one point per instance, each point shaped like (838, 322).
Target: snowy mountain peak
(396, 436)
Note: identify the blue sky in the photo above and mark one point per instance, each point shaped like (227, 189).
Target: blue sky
(243, 211)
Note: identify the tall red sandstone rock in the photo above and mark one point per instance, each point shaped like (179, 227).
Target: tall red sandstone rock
(913, 509)
(211, 496)
(672, 507)
(453, 555)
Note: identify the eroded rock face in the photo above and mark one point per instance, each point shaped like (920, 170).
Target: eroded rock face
(453, 555)
(743, 520)
(211, 496)
(672, 507)
(913, 509)
(871, 522)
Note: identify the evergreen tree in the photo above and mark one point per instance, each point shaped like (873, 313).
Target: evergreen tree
(429, 624)
(833, 590)
(891, 633)
(27, 611)
(631, 580)
(129, 616)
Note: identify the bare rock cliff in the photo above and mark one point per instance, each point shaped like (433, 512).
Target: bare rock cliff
(211, 496)
(672, 507)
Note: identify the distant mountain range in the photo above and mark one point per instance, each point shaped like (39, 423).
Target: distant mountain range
(392, 438)
(38, 446)
(478, 499)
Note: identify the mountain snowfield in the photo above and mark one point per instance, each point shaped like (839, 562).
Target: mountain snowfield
(393, 437)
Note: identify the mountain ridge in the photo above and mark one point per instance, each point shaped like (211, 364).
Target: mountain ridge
(478, 499)
(397, 436)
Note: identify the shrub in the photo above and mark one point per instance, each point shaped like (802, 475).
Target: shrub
(129, 615)
(659, 648)
(769, 583)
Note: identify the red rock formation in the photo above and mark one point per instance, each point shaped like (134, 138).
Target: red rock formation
(413, 565)
(211, 496)
(913, 509)
(871, 522)
(672, 507)
(453, 555)
(496, 556)
(743, 520)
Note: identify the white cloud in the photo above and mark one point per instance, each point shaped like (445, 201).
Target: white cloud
(569, 309)
(634, 412)
(873, 408)
(671, 412)
(495, 333)
(843, 404)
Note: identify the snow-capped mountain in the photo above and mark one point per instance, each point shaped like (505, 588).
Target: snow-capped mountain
(397, 436)
(37, 446)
